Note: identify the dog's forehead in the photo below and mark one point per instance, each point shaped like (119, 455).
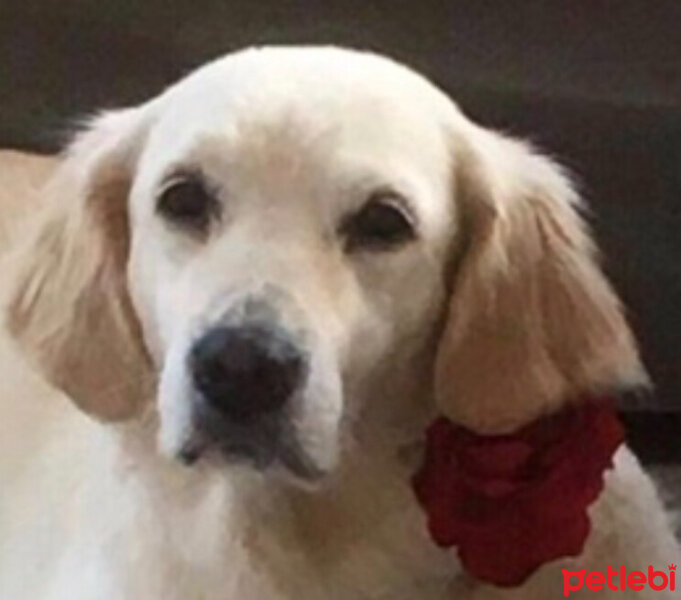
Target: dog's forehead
(276, 77)
(332, 101)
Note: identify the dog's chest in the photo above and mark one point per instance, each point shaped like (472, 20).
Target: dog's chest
(217, 545)
(238, 568)
(227, 550)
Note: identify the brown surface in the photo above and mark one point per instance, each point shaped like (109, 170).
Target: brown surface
(63, 58)
(21, 176)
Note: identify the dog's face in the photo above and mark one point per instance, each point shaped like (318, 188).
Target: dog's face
(291, 244)
(289, 233)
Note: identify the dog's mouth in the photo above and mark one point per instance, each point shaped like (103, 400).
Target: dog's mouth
(266, 444)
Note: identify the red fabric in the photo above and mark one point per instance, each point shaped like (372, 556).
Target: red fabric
(511, 503)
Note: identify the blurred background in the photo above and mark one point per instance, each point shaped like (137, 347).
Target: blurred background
(595, 82)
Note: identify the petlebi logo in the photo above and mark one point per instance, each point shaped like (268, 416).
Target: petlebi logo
(619, 579)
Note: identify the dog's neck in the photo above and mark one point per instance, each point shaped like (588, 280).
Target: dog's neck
(334, 534)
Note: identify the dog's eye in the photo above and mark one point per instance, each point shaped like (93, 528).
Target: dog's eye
(187, 202)
(381, 224)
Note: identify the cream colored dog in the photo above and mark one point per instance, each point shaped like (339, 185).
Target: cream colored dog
(263, 284)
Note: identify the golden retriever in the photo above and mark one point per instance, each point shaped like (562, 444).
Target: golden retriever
(255, 292)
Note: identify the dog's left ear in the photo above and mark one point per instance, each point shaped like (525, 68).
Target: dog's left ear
(532, 321)
(70, 310)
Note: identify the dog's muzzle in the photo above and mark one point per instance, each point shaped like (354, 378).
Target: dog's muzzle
(248, 376)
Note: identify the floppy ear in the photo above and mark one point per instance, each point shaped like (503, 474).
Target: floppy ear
(532, 321)
(70, 309)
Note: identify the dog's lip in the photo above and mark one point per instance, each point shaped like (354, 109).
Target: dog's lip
(300, 465)
(190, 452)
(268, 443)
(288, 457)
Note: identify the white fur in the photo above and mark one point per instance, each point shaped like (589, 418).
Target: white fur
(295, 138)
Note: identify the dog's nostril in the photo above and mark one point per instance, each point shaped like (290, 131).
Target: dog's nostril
(245, 372)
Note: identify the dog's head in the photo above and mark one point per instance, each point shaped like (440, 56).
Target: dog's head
(295, 244)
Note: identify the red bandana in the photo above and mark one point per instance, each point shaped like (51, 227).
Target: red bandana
(511, 503)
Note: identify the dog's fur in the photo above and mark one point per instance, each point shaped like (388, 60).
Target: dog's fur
(495, 315)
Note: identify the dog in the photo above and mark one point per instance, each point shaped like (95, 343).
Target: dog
(238, 307)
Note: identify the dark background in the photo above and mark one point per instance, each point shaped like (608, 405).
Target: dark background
(597, 83)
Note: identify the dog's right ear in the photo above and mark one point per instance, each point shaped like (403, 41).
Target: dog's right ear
(70, 310)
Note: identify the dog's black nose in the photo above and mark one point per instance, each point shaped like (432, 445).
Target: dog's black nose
(246, 372)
